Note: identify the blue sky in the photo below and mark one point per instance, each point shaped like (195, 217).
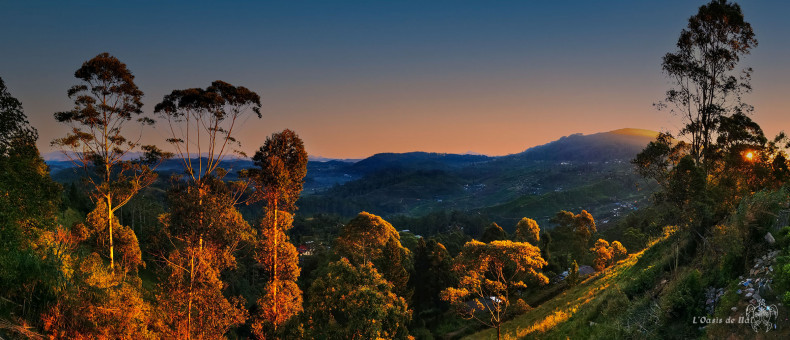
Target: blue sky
(358, 77)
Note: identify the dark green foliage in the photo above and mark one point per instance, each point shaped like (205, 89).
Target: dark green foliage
(682, 300)
(493, 233)
(348, 302)
(206, 212)
(370, 239)
(320, 227)
(16, 134)
(687, 184)
(454, 241)
(782, 267)
(658, 156)
(388, 192)
(432, 274)
(28, 205)
(573, 276)
(571, 235)
(653, 264)
(443, 222)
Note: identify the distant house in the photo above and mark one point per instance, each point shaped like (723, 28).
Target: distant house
(585, 270)
(304, 250)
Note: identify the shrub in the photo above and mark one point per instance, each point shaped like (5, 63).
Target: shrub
(682, 298)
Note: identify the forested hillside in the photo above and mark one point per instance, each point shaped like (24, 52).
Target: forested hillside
(627, 234)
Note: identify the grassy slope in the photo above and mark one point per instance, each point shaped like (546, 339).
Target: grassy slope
(624, 302)
(567, 314)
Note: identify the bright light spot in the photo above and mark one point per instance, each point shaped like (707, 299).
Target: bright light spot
(749, 156)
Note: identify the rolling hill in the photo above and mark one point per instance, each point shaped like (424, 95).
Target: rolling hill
(575, 172)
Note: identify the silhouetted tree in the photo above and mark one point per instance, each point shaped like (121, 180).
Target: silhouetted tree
(201, 123)
(203, 227)
(706, 85)
(105, 101)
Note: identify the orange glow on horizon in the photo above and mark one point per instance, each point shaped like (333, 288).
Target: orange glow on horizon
(749, 156)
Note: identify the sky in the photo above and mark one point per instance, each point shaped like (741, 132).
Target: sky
(355, 78)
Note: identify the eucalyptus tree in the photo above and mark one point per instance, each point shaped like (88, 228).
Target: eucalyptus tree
(203, 227)
(202, 123)
(706, 86)
(281, 165)
(106, 101)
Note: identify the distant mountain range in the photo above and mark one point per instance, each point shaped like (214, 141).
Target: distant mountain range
(575, 172)
(617, 144)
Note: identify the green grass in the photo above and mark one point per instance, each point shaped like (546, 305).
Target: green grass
(599, 299)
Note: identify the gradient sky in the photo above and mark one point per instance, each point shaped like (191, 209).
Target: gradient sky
(354, 78)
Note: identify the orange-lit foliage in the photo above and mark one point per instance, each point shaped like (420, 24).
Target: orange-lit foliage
(94, 233)
(203, 230)
(282, 165)
(606, 254)
(363, 238)
(282, 298)
(355, 302)
(549, 322)
(527, 230)
(603, 254)
(618, 251)
(489, 273)
(98, 303)
(369, 238)
(191, 303)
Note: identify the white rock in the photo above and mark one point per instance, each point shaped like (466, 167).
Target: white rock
(770, 238)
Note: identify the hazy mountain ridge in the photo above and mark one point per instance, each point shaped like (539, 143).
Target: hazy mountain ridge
(622, 144)
(537, 182)
(569, 173)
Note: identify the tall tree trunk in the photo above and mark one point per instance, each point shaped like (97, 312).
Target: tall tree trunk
(275, 235)
(109, 226)
(189, 301)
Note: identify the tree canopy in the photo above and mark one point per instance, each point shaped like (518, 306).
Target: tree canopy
(706, 87)
(355, 302)
(488, 274)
